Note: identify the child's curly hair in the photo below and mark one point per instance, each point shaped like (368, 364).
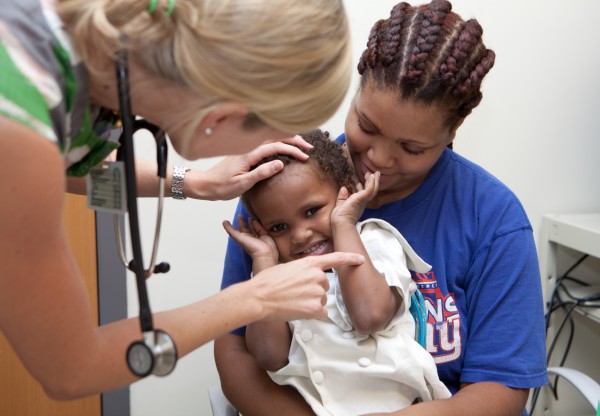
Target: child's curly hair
(326, 155)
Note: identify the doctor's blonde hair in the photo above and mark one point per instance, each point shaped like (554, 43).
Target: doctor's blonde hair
(287, 61)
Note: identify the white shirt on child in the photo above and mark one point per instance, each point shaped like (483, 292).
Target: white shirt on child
(341, 372)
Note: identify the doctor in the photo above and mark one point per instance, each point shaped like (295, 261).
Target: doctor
(220, 78)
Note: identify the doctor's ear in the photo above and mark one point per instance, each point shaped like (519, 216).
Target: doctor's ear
(223, 114)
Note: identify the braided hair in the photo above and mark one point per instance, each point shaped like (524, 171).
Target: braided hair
(429, 54)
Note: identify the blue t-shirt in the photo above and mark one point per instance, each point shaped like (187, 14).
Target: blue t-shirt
(485, 312)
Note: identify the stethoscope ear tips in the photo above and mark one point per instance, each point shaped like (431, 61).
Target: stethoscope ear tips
(162, 267)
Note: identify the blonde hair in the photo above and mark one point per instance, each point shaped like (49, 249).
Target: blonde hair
(287, 61)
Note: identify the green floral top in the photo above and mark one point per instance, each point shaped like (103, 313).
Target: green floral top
(43, 84)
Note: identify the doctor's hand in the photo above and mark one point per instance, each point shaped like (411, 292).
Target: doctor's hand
(297, 290)
(233, 176)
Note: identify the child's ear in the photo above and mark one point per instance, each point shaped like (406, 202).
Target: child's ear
(343, 194)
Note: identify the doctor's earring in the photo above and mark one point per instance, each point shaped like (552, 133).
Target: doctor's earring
(208, 131)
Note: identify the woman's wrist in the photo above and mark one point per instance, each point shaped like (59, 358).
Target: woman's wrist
(248, 301)
(178, 182)
(195, 185)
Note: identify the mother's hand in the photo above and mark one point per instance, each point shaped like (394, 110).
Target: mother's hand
(232, 176)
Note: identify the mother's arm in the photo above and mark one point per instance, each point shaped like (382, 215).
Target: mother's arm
(475, 399)
(248, 387)
(252, 392)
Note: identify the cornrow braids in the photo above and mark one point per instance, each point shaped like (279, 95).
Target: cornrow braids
(430, 54)
(393, 38)
(369, 56)
(430, 26)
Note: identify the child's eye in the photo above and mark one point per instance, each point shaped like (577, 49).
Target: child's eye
(277, 228)
(312, 211)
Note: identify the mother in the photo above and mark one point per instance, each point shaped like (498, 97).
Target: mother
(421, 75)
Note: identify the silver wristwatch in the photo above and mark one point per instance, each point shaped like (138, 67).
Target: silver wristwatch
(177, 181)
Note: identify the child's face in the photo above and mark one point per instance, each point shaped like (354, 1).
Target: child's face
(294, 207)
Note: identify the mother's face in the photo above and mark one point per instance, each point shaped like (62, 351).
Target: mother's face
(400, 139)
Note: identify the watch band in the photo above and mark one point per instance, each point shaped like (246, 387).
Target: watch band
(177, 182)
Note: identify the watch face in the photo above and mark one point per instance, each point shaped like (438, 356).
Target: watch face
(139, 359)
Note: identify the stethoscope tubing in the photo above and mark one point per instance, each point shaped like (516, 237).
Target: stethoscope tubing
(161, 148)
(126, 154)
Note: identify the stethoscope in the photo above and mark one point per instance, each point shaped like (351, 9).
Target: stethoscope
(156, 353)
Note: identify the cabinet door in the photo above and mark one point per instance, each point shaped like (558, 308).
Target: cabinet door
(20, 394)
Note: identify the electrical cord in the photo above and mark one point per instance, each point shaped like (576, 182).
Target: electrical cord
(558, 302)
(557, 285)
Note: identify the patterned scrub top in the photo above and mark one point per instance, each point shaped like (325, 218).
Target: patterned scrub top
(44, 85)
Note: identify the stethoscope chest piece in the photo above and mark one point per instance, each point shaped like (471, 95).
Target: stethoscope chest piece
(156, 354)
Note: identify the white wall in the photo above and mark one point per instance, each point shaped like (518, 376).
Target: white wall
(536, 129)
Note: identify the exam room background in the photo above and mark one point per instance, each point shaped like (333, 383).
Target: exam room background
(536, 129)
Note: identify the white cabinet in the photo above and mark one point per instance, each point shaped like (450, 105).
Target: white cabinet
(564, 240)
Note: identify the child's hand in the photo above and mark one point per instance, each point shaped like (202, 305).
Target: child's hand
(255, 241)
(349, 208)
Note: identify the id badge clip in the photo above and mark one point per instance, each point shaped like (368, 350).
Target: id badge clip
(106, 189)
